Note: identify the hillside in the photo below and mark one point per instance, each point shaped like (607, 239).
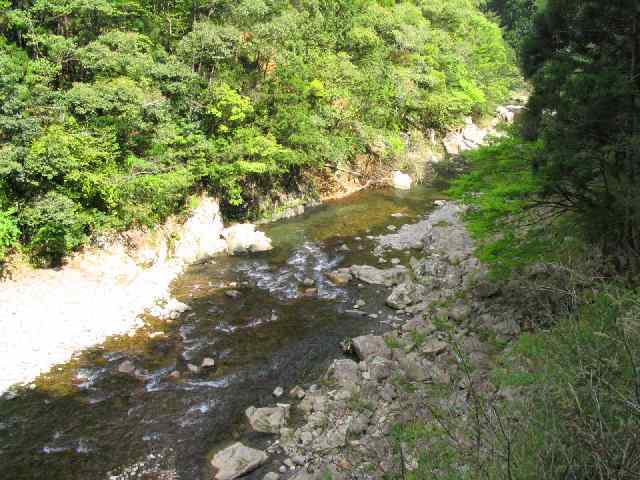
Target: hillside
(112, 113)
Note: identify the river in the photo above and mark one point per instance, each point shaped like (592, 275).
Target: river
(86, 420)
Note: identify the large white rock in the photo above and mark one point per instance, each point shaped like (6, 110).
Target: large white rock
(401, 181)
(236, 460)
(201, 234)
(244, 238)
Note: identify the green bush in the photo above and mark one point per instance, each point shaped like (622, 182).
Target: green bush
(9, 232)
(55, 226)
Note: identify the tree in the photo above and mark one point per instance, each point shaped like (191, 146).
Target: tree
(583, 60)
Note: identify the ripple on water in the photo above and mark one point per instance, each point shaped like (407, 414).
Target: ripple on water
(308, 261)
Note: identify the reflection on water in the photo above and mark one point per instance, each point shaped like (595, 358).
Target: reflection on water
(161, 419)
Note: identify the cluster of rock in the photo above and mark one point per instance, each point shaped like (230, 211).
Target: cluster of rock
(346, 422)
(455, 142)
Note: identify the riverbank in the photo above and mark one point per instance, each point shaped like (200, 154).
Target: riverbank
(48, 315)
(435, 358)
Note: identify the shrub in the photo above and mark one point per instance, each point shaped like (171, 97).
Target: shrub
(9, 232)
(54, 226)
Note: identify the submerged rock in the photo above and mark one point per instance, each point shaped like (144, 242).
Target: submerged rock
(236, 460)
(341, 276)
(268, 419)
(244, 238)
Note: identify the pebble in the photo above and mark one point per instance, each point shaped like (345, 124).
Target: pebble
(297, 392)
(278, 392)
(233, 294)
(208, 363)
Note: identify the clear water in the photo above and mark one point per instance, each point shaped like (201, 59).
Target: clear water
(87, 421)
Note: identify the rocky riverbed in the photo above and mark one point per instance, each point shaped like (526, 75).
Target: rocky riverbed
(426, 370)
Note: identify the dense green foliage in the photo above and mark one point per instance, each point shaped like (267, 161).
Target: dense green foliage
(516, 16)
(563, 190)
(583, 59)
(579, 146)
(112, 112)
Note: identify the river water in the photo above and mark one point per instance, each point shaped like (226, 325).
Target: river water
(87, 421)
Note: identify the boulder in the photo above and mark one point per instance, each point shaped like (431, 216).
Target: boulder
(370, 346)
(269, 419)
(377, 276)
(406, 294)
(379, 368)
(201, 234)
(413, 366)
(236, 460)
(401, 181)
(473, 134)
(244, 238)
(346, 373)
(452, 143)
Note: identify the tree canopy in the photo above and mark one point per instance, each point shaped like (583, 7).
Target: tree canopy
(112, 112)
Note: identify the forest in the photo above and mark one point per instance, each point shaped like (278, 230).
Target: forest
(113, 112)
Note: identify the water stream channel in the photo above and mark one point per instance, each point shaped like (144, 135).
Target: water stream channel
(87, 421)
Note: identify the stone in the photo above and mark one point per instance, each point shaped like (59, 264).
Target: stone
(358, 424)
(278, 392)
(244, 238)
(201, 235)
(345, 372)
(413, 367)
(236, 460)
(233, 294)
(401, 181)
(369, 346)
(193, 368)
(405, 295)
(208, 363)
(127, 367)
(268, 419)
(375, 276)
(341, 276)
(452, 143)
(308, 282)
(419, 324)
(271, 476)
(379, 368)
(297, 392)
(298, 460)
(433, 347)
(331, 439)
